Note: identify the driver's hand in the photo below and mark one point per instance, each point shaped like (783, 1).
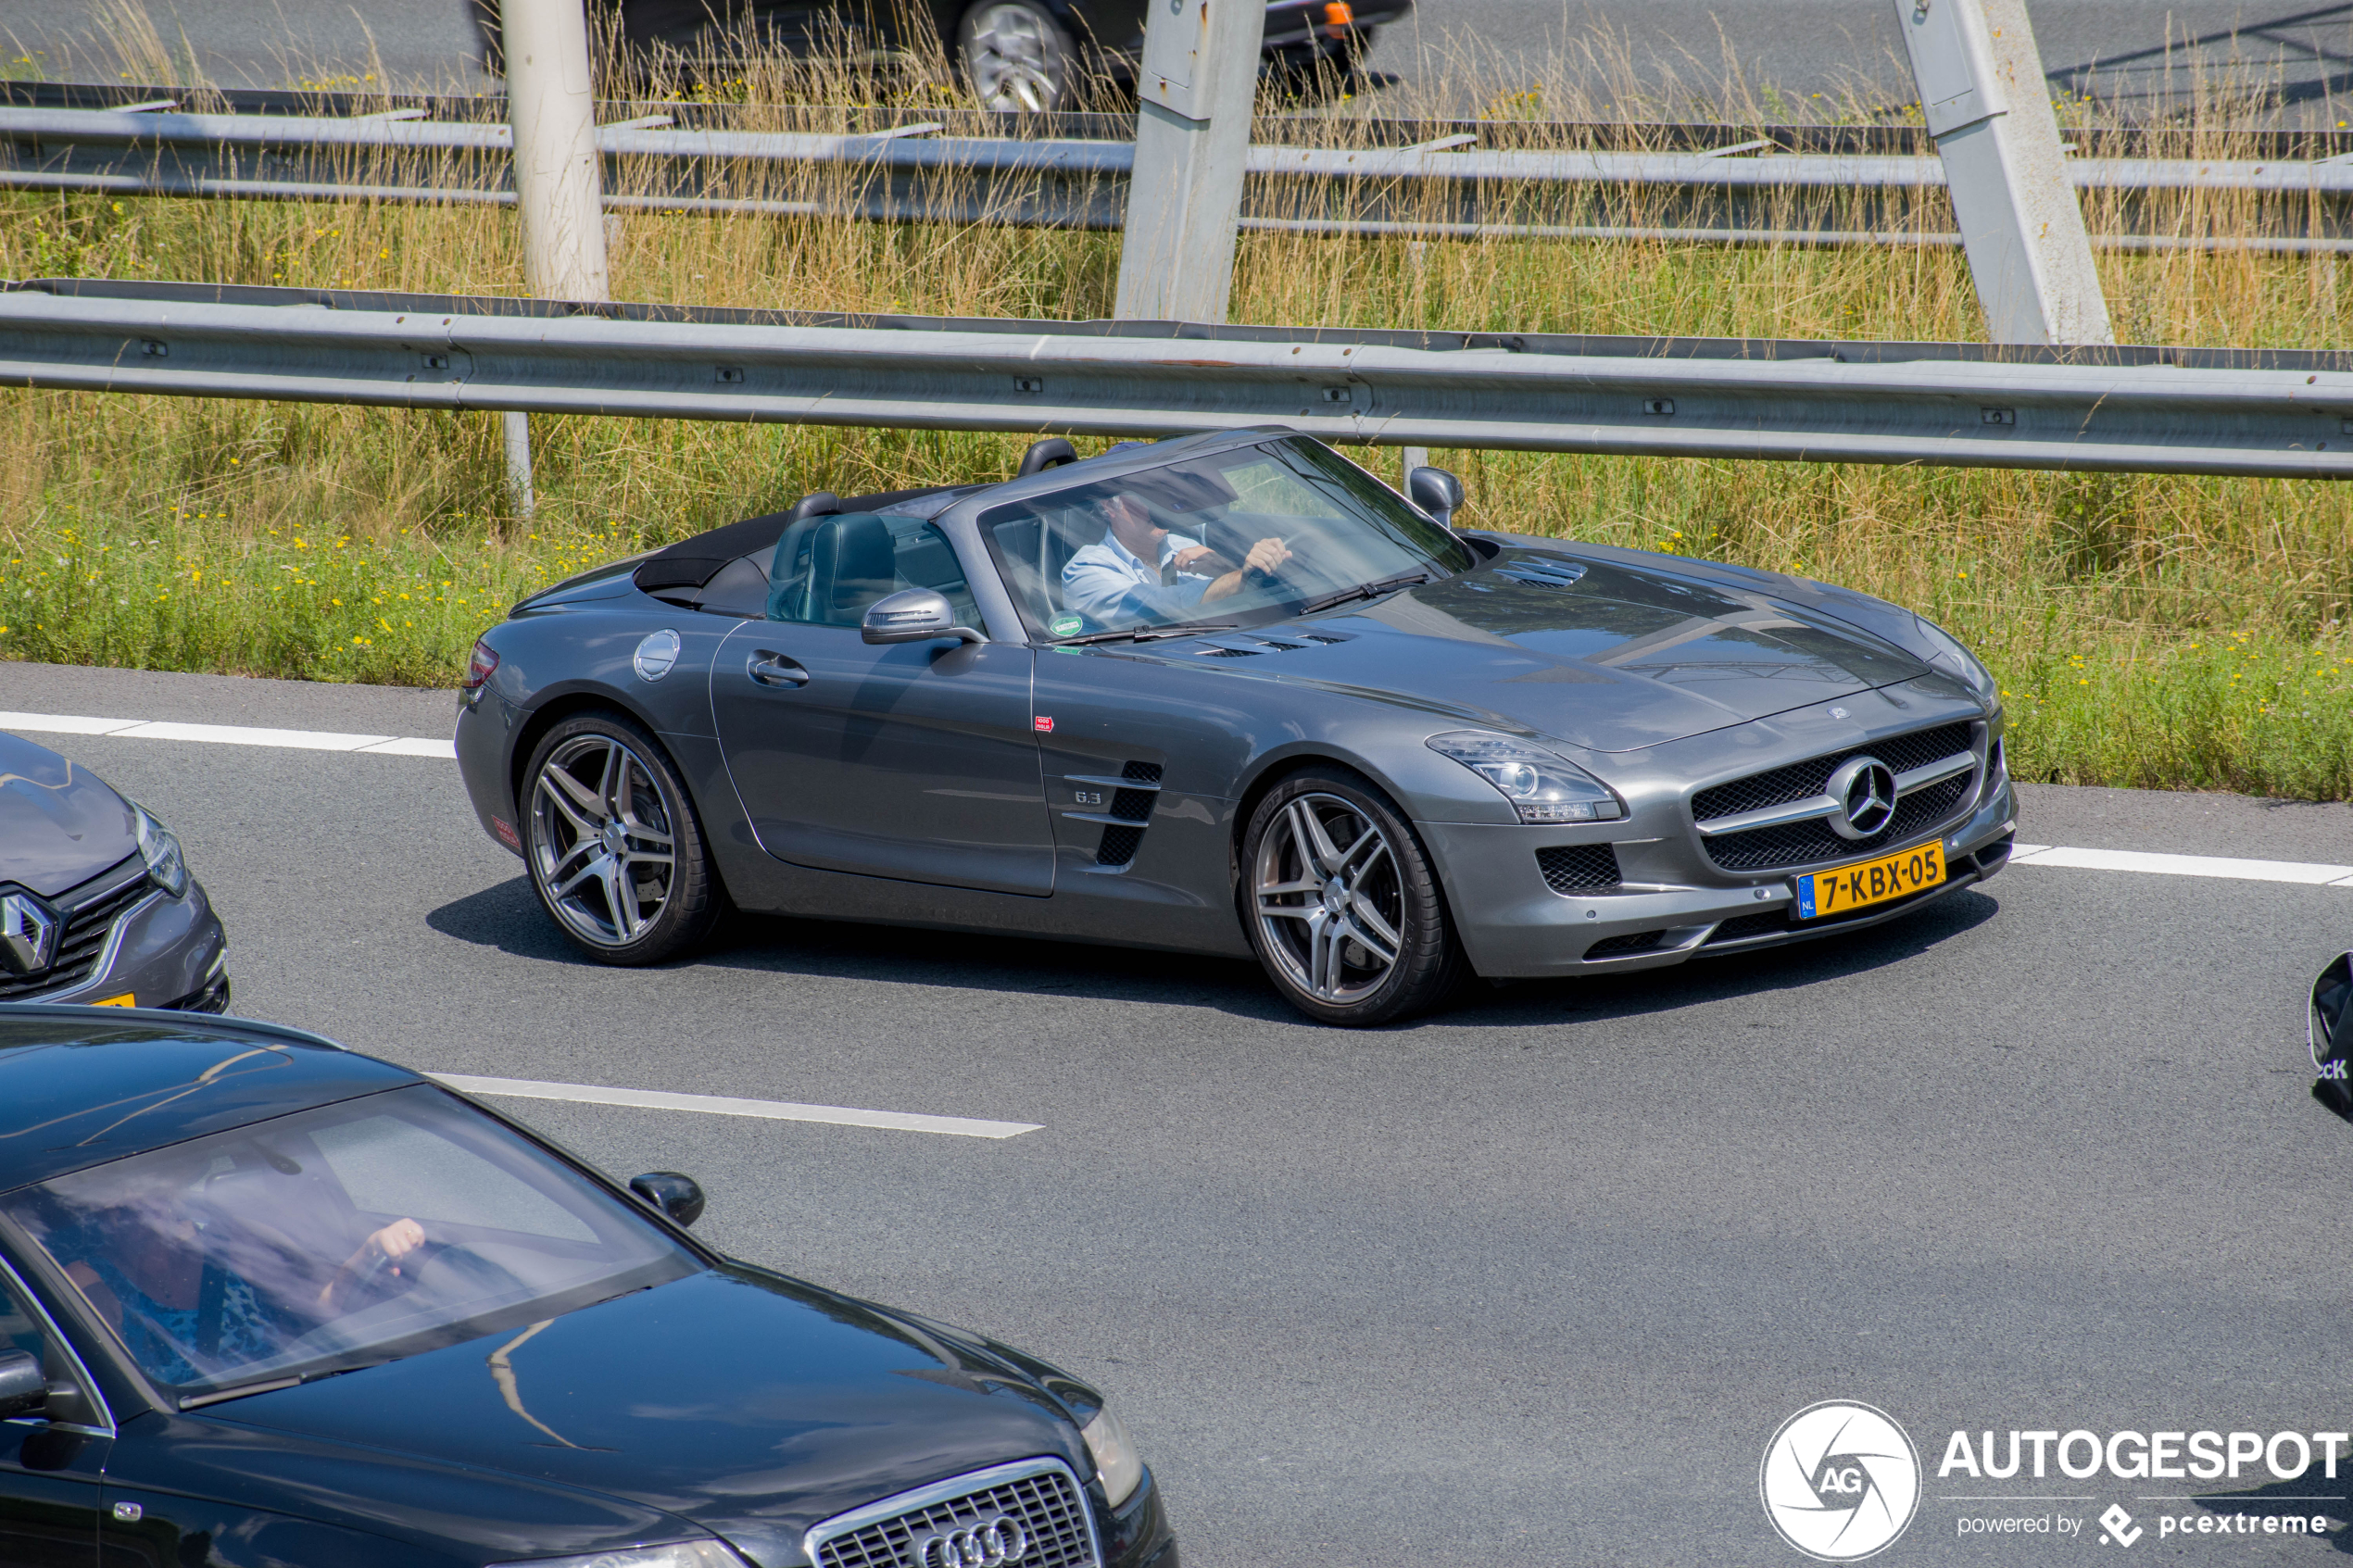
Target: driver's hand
(398, 1239)
(1267, 555)
(1186, 559)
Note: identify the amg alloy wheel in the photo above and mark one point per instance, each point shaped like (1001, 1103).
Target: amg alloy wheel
(1017, 57)
(1345, 910)
(615, 853)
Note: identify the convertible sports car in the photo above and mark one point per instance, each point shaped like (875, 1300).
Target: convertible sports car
(264, 1300)
(1228, 695)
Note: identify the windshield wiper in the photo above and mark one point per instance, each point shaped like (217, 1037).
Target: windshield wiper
(271, 1385)
(1369, 590)
(1148, 634)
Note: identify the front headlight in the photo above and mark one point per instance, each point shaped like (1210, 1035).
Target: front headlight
(1116, 1460)
(1955, 659)
(1541, 786)
(161, 851)
(680, 1554)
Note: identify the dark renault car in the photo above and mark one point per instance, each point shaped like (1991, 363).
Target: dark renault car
(263, 1300)
(96, 904)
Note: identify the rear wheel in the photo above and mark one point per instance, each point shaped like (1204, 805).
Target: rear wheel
(1345, 910)
(616, 855)
(1018, 59)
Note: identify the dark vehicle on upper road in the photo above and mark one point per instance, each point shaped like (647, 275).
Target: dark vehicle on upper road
(264, 1300)
(96, 904)
(1017, 56)
(1229, 695)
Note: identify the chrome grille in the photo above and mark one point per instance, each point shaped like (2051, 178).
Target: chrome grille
(1803, 781)
(1578, 868)
(82, 943)
(1800, 844)
(1046, 1503)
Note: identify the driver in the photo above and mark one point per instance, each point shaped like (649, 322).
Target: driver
(1140, 571)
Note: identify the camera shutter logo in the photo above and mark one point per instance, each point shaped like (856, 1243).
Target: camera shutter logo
(1839, 1480)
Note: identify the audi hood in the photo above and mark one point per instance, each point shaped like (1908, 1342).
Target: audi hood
(742, 1402)
(60, 824)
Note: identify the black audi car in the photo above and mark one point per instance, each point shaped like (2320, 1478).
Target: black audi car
(265, 1300)
(96, 902)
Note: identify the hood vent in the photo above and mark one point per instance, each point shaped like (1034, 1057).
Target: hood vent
(1543, 572)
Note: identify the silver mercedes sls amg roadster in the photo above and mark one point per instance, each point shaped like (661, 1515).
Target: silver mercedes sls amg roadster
(1229, 695)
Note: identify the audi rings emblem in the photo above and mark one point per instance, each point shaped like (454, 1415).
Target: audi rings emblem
(1864, 790)
(988, 1544)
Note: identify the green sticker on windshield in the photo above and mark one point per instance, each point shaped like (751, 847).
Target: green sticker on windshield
(1065, 625)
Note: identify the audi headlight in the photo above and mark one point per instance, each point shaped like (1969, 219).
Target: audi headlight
(1116, 1460)
(1541, 786)
(1955, 659)
(161, 851)
(679, 1554)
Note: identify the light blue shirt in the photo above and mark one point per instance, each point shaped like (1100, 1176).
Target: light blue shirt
(1109, 585)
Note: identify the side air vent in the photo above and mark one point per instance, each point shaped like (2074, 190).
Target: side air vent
(1133, 790)
(1141, 772)
(1119, 845)
(1579, 868)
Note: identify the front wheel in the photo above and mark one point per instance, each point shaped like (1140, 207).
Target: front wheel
(1018, 59)
(616, 855)
(1344, 907)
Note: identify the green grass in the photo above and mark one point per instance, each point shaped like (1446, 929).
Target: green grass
(2153, 630)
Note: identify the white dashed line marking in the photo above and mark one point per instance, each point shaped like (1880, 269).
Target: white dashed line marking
(721, 1105)
(228, 734)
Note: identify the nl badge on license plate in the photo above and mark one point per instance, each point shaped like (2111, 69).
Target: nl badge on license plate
(1842, 888)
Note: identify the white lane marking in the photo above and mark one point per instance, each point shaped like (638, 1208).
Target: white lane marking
(2312, 873)
(722, 1105)
(229, 734)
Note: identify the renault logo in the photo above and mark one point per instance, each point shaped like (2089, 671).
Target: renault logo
(988, 1544)
(1864, 790)
(28, 934)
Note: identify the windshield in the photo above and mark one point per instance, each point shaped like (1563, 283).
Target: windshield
(337, 1237)
(1247, 535)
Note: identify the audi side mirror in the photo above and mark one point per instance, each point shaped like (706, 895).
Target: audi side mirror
(913, 615)
(2328, 1028)
(1436, 492)
(677, 1195)
(24, 1387)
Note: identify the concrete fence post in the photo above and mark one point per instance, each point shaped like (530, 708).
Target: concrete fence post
(1982, 93)
(1196, 87)
(558, 175)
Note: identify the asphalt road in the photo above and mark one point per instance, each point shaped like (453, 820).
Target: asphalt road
(1531, 1281)
(2140, 54)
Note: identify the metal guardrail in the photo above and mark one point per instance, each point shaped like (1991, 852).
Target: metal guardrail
(907, 173)
(2209, 411)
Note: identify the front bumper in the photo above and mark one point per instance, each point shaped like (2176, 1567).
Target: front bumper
(1514, 926)
(157, 951)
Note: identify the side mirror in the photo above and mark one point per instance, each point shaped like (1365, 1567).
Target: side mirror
(677, 1195)
(24, 1387)
(1436, 492)
(2329, 1028)
(914, 615)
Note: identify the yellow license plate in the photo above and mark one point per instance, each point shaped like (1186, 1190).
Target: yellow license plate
(1871, 882)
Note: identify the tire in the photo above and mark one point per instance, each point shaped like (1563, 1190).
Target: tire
(1018, 59)
(1342, 905)
(599, 787)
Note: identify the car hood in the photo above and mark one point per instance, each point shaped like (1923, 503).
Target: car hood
(60, 824)
(748, 1403)
(1599, 654)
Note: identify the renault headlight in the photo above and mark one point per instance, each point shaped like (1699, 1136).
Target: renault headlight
(1955, 659)
(1541, 786)
(679, 1554)
(161, 851)
(1116, 1460)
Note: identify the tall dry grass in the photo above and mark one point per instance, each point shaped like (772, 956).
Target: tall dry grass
(2155, 631)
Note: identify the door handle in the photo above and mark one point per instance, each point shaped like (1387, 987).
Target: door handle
(770, 668)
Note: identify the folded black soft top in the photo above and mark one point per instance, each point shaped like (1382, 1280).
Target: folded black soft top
(690, 563)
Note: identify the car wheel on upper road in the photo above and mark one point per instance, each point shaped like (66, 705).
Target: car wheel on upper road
(616, 855)
(1018, 59)
(1346, 913)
